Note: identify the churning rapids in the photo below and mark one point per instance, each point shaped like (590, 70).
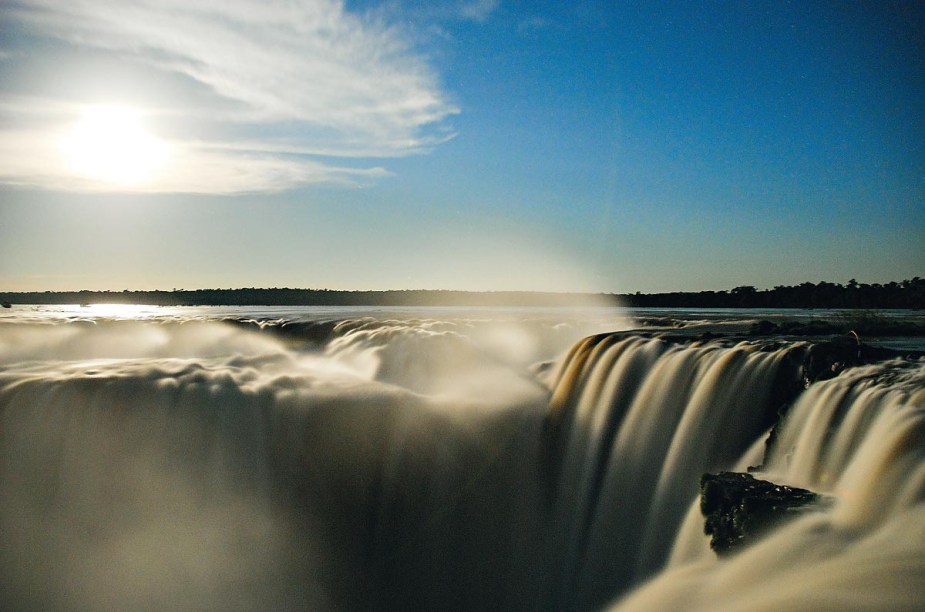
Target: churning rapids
(438, 460)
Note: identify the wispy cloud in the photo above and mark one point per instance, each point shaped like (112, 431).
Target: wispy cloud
(30, 159)
(284, 80)
(478, 10)
(532, 25)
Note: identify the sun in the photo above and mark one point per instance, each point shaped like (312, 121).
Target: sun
(111, 144)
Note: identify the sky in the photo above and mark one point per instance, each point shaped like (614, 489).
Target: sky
(477, 144)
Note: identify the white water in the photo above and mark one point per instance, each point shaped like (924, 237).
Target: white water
(861, 438)
(426, 463)
(641, 421)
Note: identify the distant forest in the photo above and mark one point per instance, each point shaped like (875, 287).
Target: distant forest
(904, 294)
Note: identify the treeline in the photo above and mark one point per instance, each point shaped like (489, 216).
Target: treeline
(310, 297)
(904, 294)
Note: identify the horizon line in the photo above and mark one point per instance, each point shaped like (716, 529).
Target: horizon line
(481, 291)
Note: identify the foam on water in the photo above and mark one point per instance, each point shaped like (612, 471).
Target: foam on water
(431, 463)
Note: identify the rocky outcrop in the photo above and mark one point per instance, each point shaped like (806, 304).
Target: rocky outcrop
(738, 508)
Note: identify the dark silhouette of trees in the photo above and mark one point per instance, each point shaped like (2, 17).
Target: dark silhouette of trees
(905, 294)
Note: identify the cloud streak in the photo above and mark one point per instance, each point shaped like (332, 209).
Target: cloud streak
(479, 10)
(337, 85)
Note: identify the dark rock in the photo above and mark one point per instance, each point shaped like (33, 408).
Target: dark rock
(763, 328)
(828, 359)
(738, 508)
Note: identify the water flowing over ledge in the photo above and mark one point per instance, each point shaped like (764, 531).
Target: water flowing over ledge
(443, 462)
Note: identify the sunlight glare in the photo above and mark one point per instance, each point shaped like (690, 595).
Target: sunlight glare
(120, 311)
(110, 144)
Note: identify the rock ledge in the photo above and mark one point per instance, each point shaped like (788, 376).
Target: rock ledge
(738, 508)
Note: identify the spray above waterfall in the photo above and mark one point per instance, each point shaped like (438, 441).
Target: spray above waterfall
(444, 460)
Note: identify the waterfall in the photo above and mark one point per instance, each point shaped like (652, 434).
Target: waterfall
(435, 464)
(203, 466)
(859, 438)
(633, 423)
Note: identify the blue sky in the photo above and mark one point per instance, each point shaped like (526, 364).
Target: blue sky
(484, 145)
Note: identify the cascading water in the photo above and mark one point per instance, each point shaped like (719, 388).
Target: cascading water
(211, 468)
(860, 438)
(431, 464)
(634, 423)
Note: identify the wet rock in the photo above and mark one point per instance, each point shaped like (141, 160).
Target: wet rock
(738, 508)
(828, 359)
